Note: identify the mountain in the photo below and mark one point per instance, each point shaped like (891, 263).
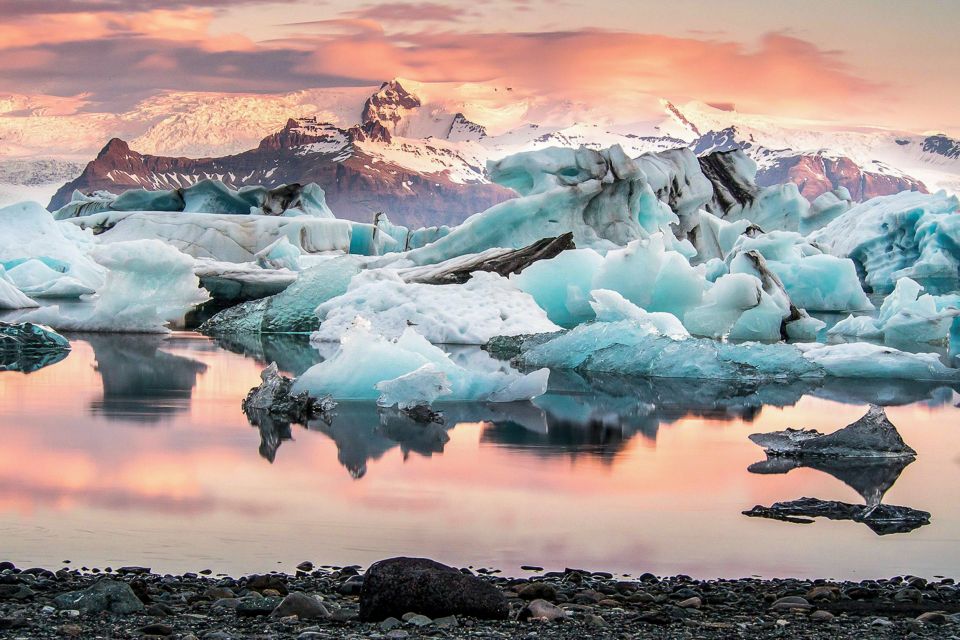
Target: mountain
(814, 172)
(885, 159)
(33, 179)
(358, 183)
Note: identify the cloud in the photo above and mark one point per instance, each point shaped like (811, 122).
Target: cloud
(119, 58)
(19, 8)
(411, 12)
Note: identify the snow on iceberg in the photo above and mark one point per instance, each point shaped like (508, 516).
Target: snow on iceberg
(409, 371)
(627, 347)
(826, 208)
(471, 313)
(149, 284)
(906, 316)
(907, 235)
(45, 258)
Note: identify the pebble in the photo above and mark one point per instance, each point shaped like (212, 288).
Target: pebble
(933, 617)
(157, 630)
(538, 591)
(821, 616)
(690, 603)
(790, 602)
(390, 623)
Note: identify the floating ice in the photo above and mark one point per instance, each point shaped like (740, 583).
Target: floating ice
(736, 195)
(206, 196)
(281, 254)
(409, 371)
(910, 234)
(826, 208)
(630, 348)
(485, 306)
(10, 296)
(44, 258)
(610, 306)
(906, 316)
(813, 280)
(149, 284)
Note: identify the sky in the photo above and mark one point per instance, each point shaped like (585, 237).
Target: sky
(872, 62)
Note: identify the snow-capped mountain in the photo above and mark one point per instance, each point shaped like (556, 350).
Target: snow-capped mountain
(34, 180)
(412, 150)
(902, 157)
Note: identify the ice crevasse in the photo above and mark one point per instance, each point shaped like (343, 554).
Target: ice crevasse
(409, 371)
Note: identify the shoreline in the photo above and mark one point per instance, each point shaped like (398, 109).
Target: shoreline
(135, 602)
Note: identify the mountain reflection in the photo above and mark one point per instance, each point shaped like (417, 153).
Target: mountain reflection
(141, 383)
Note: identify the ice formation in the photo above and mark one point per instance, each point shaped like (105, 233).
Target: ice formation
(630, 348)
(561, 286)
(10, 296)
(206, 196)
(44, 258)
(28, 347)
(149, 284)
(485, 306)
(736, 195)
(814, 281)
(280, 254)
(826, 208)
(409, 371)
(907, 235)
(907, 316)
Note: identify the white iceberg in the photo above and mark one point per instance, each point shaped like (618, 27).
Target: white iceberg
(487, 305)
(906, 316)
(149, 284)
(45, 258)
(11, 297)
(409, 371)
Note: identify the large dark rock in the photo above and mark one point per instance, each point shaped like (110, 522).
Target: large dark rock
(106, 595)
(397, 586)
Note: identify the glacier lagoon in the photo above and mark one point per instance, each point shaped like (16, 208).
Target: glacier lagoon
(110, 451)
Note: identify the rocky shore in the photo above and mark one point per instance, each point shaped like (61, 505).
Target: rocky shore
(412, 598)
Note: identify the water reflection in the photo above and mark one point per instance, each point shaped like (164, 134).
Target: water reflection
(872, 478)
(141, 382)
(291, 351)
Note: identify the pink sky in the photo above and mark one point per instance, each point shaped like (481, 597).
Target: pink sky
(875, 62)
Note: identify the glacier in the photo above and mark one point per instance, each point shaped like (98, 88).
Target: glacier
(409, 371)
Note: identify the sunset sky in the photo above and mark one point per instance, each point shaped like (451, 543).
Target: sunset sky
(872, 62)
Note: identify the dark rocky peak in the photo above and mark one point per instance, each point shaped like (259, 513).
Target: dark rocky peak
(672, 109)
(115, 147)
(463, 129)
(372, 130)
(942, 145)
(723, 140)
(309, 135)
(388, 105)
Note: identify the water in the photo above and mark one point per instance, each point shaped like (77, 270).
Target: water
(134, 450)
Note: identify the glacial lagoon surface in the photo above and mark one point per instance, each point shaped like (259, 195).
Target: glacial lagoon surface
(133, 450)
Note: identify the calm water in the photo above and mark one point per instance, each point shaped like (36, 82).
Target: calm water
(133, 450)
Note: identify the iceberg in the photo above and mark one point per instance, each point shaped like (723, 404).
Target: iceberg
(293, 310)
(630, 348)
(907, 235)
(27, 347)
(280, 254)
(409, 371)
(736, 195)
(826, 208)
(44, 258)
(906, 316)
(11, 297)
(813, 280)
(471, 313)
(206, 196)
(149, 284)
